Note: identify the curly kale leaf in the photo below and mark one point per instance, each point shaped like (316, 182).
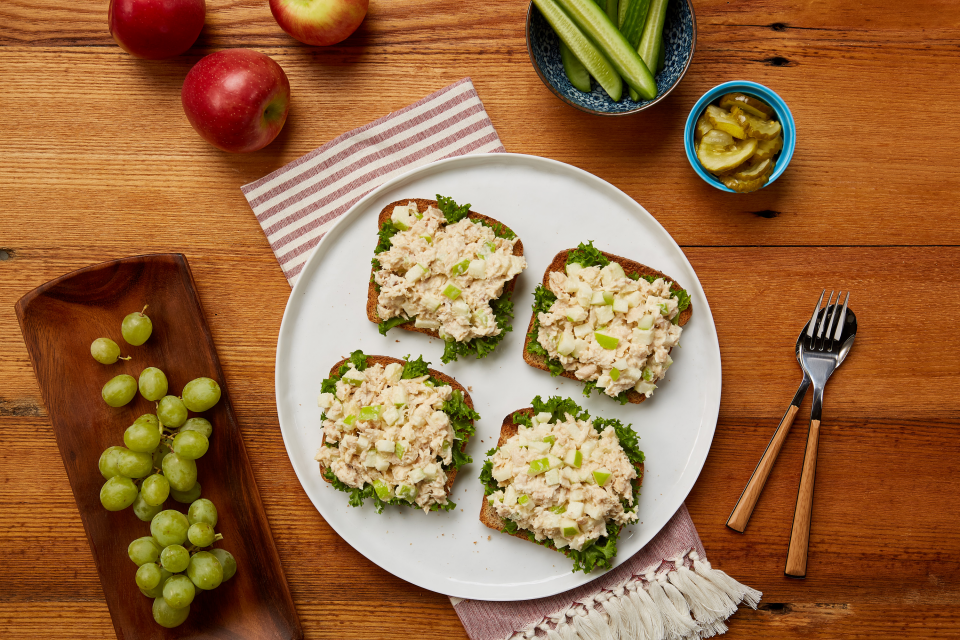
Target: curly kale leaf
(543, 299)
(387, 231)
(462, 418)
(414, 368)
(591, 385)
(559, 408)
(451, 210)
(483, 346)
(588, 256)
(597, 555)
(386, 325)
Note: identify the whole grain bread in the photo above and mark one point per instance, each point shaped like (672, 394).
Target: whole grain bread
(422, 205)
(559, 263)
(385, 360)
(488, 514)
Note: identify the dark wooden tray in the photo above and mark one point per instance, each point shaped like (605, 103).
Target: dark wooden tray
(59, 320)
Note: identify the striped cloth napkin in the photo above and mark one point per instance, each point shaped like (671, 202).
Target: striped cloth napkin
(666, 591)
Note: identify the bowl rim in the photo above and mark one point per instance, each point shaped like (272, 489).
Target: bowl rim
(579, 107)
(758, 90)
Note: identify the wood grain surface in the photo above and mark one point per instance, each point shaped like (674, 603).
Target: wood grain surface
(99, 162)
(58, 320)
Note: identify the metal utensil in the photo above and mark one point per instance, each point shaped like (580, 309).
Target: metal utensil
(820, 351)
(747, 501)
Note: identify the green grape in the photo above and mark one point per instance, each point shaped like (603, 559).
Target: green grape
(171, 412)
(143, 510)
(190, 444)
(227, 561)
(186, 497)
(143, 550)
(201, 534)
(201, 394)
(155, 490)
(205, 571)
(136, 328)
(166, 616)
(148, 418)
(181, 473)
(157, 591)
(153, 384)
(142, 437)
(160, 453)
(201, 425)
(174, 558)
(109, 461)
(134, 464)
(169, 527)
(202, 511)
(148, 576)
(119, 390)
(179, 591)
(105, 350)
(118, 493)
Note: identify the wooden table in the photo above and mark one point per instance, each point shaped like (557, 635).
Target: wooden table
(99, 162)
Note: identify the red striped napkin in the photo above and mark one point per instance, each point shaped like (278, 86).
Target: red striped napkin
(298, 203)
(667, 591)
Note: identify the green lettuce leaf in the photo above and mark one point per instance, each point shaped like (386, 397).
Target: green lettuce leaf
(386, 325)
(483, 346)
(543, 299)
(588, 256)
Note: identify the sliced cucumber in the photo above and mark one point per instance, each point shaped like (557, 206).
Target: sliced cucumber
(650, 40)
(633, 15)
(595, 62)
(576, 73)
(600, 29)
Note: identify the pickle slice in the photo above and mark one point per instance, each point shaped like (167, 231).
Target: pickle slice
(717, 159)
(754, 126)
(754, 171)
(768, 148)
(703, 126)
(725, 121)
(717, 138)
(744, 186)
(749, 104)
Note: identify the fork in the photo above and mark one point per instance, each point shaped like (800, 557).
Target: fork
(819, 355)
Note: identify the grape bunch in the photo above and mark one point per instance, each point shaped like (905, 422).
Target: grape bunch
(175, 561)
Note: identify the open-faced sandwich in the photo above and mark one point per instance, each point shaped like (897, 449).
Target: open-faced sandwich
(565, 480)
(446, 271)
(606, 321)
(394, 431)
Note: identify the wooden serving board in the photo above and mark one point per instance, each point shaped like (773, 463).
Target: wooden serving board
(59, 320)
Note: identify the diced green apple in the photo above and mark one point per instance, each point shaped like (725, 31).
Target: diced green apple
(386, 446)
(620, 305)
(432, 303)
(416, 475)
(393, 371)
(574, 458)
(574, 509)
(600, 297)
(574, 268)
(642, 337)
(587, 448)
(400, 396)
(646, 322)
(481, 317)
(510, 496)
(477, 269)
(552, 439)
(584, 295)
(605, 314)
(615, 270)
(423, 323)
(487, 249)
(402, 218)
(371, 459)
(502, 474)
(667, 362)
(538, 466)
(354, 377)
(569, 528)
(605, 341)
(601, 476)
(614, 374)
(451, 292)
(406, 492)
(383, 489)
(430, 471)
(582, 330)
(554, 461)
(540, 447)
(325, 401)
(604, 381)
(390, 415)
(370, 414)
(664, 309)
(363, 442)
(648, 374)
(576, 314)
(567, 343)
(459, 307)
(595, 511)
(349, 420)
(578, 348)
(460, 268)
(633, 299)
(552, 477)
(415, 272)
(401, 448)
(560, 508)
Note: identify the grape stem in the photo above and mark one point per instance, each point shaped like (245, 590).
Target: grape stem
(144, 309)
(127, 358)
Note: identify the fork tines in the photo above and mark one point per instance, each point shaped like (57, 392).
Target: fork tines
(821, 335)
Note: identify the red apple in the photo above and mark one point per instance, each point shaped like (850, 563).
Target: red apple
(319, 22)
(236, 99)
(155, 29)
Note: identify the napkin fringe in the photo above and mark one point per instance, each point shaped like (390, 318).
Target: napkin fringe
(689, 599)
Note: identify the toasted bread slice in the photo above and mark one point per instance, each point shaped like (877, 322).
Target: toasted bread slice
(422, 204)
(488, 514)
(385, 360)
(559, 263)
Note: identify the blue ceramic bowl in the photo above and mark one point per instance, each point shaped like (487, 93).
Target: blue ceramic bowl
(758, 91)
(679, 36)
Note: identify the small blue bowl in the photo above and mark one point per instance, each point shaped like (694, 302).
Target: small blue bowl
(680, 39)
(758, 91)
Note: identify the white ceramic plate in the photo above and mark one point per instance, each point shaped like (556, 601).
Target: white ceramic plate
(551, 206)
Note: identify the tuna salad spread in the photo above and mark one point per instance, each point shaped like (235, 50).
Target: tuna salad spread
(608, 327)
(444, 275)
(563, 480)
(389, 433)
